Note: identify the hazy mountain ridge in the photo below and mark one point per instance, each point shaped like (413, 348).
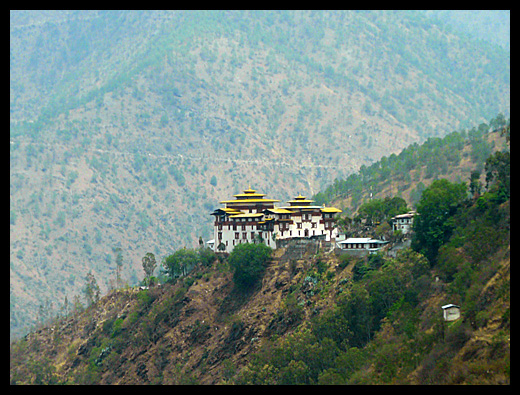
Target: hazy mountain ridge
(115, 142)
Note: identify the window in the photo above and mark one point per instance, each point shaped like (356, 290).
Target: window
(243, 227)
(244, 235)
(236, 235)
(220, 235)
(252, 235)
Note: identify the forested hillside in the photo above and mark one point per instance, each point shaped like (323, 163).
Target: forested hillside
(456, 157)
(294, 316)
(128, 127)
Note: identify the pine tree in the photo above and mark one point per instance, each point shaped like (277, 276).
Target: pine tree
(119, 265)
(149, 265)
(91, 289)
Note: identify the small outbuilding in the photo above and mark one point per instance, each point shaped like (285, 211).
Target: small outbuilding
(451, 312)
(403, 222)
(365, 244)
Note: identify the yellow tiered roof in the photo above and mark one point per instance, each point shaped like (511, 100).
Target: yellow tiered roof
(330, 210)
(249, 196)
(231, 211)
(250, 201)
(249, 193)
(300, 199)
(279, 210)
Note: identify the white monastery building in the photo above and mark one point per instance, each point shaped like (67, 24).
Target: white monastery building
(251, 218)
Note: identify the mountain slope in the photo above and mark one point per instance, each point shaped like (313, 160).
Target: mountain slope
(202, 331)
(127, 128)
(313, 318)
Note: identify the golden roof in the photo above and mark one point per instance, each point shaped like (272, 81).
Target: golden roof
(231, 210)
(228, 211)
(250, 201)
(279, 210)
(304, 207)
(330, 210)
(249, 193)
(300, 199)
(249, 196)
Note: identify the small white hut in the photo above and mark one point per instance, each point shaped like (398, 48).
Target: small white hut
(451, 312)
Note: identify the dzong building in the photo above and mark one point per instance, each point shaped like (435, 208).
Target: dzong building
(252, 218)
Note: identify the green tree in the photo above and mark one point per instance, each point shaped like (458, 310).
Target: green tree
(119, 265)
(498, 175)
(91, 289)
(248, 262)
(149, 265)
(206, 256)
(296, 372)
(180, 262)
(432, 225)
(42, 372)
(475, 186)
(378, 210)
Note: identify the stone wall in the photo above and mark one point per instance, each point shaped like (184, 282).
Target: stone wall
(297, 247)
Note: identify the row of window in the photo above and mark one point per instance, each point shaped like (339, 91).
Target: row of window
(235, 227)
(237, 235)
(359, 246)
(305, 217)
(222, 218)
(239, 241)
(254, 234)
(306, 233)
(283, 226)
